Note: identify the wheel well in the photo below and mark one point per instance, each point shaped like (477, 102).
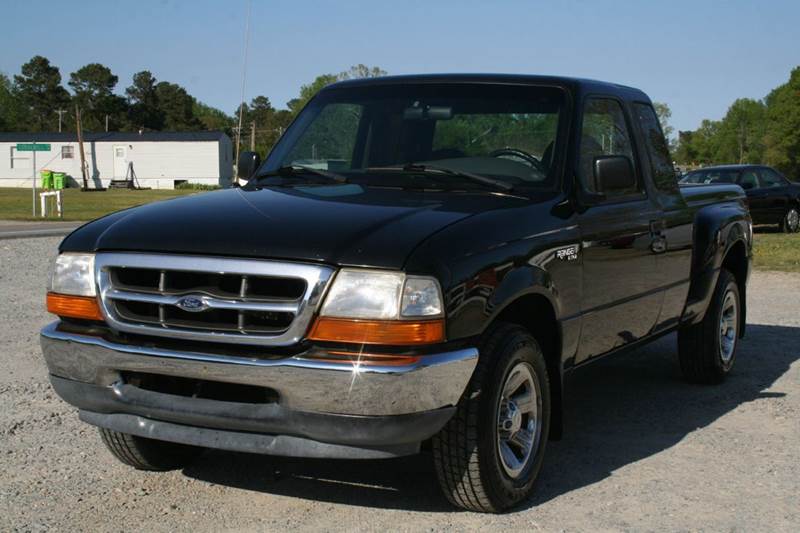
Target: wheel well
(737, 264)
(536, 314)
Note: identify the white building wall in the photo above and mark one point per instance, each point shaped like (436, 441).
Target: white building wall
(18, 173)
(157, 164)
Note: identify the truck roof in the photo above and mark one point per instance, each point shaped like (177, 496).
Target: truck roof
(577, 85)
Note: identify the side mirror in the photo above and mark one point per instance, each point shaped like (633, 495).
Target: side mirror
(247, 165)
(613, 173)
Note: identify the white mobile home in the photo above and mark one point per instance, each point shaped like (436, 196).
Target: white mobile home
(160, 160)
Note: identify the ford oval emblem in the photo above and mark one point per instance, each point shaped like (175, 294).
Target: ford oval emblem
(193, 304)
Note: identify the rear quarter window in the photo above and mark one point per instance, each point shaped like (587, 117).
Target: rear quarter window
(657, 149)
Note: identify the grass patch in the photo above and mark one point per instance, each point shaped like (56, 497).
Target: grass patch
(776, 251)
(15, 204)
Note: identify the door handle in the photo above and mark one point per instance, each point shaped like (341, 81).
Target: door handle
(658, 244)
(657, 227)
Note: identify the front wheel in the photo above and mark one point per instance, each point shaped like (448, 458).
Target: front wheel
(791, 221)
(488, 456)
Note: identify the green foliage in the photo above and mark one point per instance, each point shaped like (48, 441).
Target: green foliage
(39, 88)
(12, 112)
(177, 107)
(263, 117)
(212, 118)
(782, 138)
(741, 132)
(93, 92)
(478, 135)
(331, 136)
(144, 111)
(664, 113)
(752, 131)
(307, 92)
(186, 186)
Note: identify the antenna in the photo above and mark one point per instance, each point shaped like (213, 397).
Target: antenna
(244, 78)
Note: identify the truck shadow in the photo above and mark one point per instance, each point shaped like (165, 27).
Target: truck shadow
(618, 411)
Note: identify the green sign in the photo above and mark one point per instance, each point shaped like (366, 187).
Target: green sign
(32, 147)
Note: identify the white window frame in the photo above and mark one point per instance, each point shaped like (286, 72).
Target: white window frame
(14, 156)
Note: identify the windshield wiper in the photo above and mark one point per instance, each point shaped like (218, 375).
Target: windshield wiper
(426, 168)
(296, 170)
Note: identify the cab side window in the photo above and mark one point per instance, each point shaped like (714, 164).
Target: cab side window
(748, 180)
(660, 161)
(770, 178)
(604, 133)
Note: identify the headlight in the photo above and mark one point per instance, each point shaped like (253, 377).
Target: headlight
(382, 295)
(73, 274)
(381, 307)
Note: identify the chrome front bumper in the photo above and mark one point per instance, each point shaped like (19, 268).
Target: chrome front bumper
(435, 381)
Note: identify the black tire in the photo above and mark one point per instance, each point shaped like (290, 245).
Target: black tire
(466, 451)
(699, 344)
(148, 454)
(791, 221)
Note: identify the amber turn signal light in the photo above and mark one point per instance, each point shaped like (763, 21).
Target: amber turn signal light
(389, 332)
(73, 306)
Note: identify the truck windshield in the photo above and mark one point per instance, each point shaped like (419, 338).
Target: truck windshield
(387, 132)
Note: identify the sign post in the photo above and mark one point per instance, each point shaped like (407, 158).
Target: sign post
(33, 147)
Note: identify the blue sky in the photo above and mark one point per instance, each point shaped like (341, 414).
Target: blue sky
(697, 56)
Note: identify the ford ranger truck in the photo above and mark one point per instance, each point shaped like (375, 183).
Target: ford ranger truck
(419, 263)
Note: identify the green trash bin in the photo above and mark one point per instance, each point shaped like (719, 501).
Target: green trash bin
(59, 181)
(47, 179)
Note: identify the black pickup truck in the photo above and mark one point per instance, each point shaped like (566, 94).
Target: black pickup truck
(417, 265)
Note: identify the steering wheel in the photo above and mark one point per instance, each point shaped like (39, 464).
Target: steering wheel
(516, 153)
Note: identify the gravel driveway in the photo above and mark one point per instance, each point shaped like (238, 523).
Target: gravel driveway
(642, 451)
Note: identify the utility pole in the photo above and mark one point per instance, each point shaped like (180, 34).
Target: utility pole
(106, 123)
(253, 136)
(80, 145)
(60, 113)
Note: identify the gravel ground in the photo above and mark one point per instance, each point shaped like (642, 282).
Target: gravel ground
(643, 450)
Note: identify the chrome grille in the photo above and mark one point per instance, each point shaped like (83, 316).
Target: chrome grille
(241, 301)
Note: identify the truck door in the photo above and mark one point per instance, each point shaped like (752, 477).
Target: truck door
(621, 285)
(674, 237)
(772, 195)
(757, 198)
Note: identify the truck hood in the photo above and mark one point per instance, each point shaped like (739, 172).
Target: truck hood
(339, 224)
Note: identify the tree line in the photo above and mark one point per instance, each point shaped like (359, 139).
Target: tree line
(765, 131)
(35, 100)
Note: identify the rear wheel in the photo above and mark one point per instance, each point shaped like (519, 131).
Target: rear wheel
(148, 454)
(791, 221)
(488, 456)
(707, 350)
